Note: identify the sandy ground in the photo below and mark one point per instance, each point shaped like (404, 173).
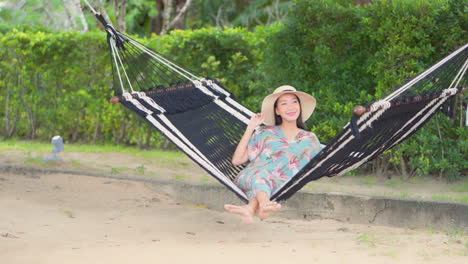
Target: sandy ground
(61, 218)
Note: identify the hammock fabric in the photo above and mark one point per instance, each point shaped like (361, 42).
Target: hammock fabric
(201, 117)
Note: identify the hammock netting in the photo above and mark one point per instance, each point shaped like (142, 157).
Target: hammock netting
(202, 118)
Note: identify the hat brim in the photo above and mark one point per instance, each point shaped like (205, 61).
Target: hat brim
(308, 104)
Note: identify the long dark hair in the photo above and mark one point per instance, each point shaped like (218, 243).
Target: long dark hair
(279, 120)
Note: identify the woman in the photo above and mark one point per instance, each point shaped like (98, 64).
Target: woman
(275, 152)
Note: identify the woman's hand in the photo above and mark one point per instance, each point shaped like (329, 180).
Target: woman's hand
(255, 121)
(240, 155)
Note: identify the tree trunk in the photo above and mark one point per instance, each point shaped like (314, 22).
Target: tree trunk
(181, 7)
(103, 12)
(121, 133)
(32, 119)
(120, 7)
(157, 22)
(168, 5)
(52, 17)
(148, 137)
(70, 19)
(79, 12)
(7, 112)
(11, 121)
(404, 168)
(97, 130)
(166, 143)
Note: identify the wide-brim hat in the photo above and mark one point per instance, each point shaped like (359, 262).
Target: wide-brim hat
(308, 103)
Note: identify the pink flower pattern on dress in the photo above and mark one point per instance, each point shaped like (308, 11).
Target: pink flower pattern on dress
(273, 159)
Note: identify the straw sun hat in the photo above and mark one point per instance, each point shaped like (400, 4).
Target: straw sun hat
(308, 103)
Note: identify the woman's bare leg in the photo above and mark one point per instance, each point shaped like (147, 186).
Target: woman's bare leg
(245, 211)
(265, 206)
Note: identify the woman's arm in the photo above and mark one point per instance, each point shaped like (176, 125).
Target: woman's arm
(241, 155)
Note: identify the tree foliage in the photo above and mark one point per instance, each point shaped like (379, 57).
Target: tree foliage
(53, 14)
(144, 17)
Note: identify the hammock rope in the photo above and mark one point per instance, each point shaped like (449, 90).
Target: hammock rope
(203, 119)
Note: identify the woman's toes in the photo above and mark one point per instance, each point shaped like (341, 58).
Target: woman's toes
(268, 207)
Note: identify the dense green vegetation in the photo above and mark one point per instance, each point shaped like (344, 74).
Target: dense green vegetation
(345, 55)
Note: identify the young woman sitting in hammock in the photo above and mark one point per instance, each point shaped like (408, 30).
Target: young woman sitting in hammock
(275, 152)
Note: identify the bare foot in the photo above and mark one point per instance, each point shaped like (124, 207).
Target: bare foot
(244, 211)
(265, 209)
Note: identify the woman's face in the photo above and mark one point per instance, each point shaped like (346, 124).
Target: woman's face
(288, 107)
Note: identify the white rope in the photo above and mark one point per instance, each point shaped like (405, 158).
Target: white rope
(189, 144)
(459, 75)
(90, 7)
(205, 90)
(229, 99)
(449, 92)
(220, 103)
(240, 107)
(111, 32)
(184, 144)
(117, 68)
(164, 61)
(377, 109)
(198, 83)
(436, 106)
(121, 63)
(380, 104)
(446, 92)
(171, 126)
(384, 105)
(359, 163)
(215, 86)
(149, 101)
(371, 120)
(137, 104)
(424, 74)
(192, 154)
(233, 112)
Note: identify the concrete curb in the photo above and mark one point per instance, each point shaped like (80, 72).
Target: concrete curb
(389, 211)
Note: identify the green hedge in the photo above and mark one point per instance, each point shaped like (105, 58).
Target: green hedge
(59, 83)
(345, 55)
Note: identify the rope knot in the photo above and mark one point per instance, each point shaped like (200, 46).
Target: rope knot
(380, 104)
(449, 92)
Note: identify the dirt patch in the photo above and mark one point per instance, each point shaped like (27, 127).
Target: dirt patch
(57, 218)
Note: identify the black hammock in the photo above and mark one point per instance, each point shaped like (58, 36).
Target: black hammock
(202, 118)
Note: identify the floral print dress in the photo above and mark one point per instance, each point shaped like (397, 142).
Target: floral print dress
(273, 159)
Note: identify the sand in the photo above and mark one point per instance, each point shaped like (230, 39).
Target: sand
(60, 218)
